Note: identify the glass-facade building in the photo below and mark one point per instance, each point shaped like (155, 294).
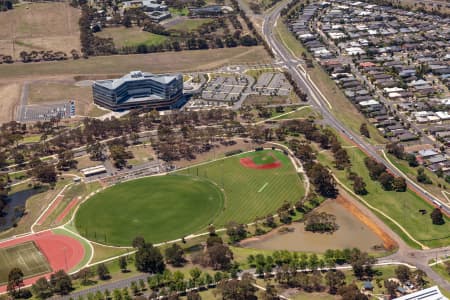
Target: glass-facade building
(138, 89)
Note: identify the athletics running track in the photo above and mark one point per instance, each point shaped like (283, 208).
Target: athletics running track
(62, 251)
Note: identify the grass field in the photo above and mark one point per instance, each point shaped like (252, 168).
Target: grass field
(169, 207)
(403, 207)
(251, 193)
(302, 113)
(131, 37)
(165, 62)
(25, 256)
(189, 24)
(263, 157)
(158, 208)
(39, 26)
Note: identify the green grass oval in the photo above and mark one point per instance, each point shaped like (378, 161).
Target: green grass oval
(160, 208)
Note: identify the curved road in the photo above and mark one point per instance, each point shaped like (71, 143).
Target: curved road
(405, 253)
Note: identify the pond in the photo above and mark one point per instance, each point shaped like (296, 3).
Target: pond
(15, 201)
(351, 233)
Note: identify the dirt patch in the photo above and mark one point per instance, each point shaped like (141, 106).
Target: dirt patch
(249, 163)
(352, 233)
(9, 99)
(51, 91)
(388, 242)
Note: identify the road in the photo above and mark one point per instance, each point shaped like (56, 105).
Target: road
(319, 101)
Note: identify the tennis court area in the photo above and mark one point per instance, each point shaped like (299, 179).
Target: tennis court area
(25, 256)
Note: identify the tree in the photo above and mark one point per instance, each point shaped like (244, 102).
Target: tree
(236, 232)
(15, 282)
(359, 186)
(85, 275)
(42, 288)
(238, 289)
(45, 173)
(422, 177)
(412, 160)
(403, 273)
(138, 242)
(102, 271)
(270, 293)
(386, 180)
(334, 279)
(123, 263)
(149, 259)
(437, 217)
(220, 256)
(399, 184)
(61, 282)
(364, 130)
(351, 292)
(175, 255)
(193, 295)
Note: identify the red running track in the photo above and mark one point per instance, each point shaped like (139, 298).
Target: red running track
(66, 210)
(249, 163)
(62, 251)
(50, 210)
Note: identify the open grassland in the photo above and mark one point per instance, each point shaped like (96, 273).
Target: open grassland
(189, 25)
(165, 62)
(39, 26)
(158, 208)
(402, 207)
(25, 256)
(131, 37)
(251, 193)
(302, 113)
(343, 109)
(45, 92)
(9, 99)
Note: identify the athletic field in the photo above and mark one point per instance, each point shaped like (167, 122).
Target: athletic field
(158, 208)
(25, 256)
(163, 208)
(252, 192)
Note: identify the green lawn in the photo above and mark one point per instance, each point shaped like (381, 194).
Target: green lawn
(403, 207)
(132, 37)
(158, 208)
(251, 193)
(440, 269)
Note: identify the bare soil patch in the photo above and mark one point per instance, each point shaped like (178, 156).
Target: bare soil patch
(39, 26)
(47, 92)
(9, 99)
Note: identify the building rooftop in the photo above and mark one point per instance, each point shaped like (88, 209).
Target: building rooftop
(432, 293)
(134, 76)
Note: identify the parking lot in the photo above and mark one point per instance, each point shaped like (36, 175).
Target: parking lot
(272, 84)
(44, 112)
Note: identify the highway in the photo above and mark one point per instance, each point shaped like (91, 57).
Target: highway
(323, 105)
